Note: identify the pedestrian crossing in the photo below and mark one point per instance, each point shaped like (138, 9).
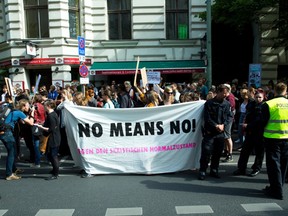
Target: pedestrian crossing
(179, 210)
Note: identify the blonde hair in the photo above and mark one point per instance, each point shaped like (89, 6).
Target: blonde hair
(244, 93)
(68, 94)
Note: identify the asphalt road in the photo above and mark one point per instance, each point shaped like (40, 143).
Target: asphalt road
(171, 194)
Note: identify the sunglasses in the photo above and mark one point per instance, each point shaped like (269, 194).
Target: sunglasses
(169, 92)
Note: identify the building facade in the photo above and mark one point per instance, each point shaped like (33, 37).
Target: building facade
(40, 37)
(274, 61)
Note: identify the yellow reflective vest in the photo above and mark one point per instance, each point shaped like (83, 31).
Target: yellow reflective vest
(277, 126)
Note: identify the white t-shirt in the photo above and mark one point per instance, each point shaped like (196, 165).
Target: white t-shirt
(109, 105)
(243, 107)
(3, 97)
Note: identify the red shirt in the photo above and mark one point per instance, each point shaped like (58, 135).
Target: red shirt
(39, 114)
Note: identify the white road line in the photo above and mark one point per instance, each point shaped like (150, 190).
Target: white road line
(55, 212)
(196, 209)
(124, 211)
(257, 207)
(3, 211)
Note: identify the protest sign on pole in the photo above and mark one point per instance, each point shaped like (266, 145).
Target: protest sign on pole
(37, 84)
(144, 77)
(9, 86)
(136, 71)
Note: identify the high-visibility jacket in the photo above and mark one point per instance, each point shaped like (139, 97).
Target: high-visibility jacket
(277, 126)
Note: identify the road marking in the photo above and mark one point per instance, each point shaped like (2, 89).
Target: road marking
(199, 209)
(124, 211)
(3, 211)
(55, 212)
(256, 207)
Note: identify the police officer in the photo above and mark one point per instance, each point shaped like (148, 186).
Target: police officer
(275, 120)
(217, 116)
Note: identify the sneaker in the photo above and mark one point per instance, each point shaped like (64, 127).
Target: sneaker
(229, 158)
(254, 173)
(87, 175)
(201, 175)
(35, 165)
(19, 171)
(53, 177)
(13, 177)
(237, 141)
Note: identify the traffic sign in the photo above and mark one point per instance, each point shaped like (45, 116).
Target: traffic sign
(83, 70)
(81, 48)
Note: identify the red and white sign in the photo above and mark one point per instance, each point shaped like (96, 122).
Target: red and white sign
(162, 71)
(43, 61)
(83, 70)
(31, 49)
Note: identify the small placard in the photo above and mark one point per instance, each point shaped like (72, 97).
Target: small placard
(153, 77)
(84, 80)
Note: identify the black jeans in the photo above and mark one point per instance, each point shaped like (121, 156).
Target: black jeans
(276, 163)
(52, 156)
(252, 141)
(212, 147)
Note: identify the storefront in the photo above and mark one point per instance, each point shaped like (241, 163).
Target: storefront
(171, 71)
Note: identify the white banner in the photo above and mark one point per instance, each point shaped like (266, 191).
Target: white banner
(137, 140)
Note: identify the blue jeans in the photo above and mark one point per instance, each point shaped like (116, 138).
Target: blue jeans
(240, 127)
(9, 142)
(36, 142)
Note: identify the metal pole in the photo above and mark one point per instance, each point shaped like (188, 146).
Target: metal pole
(209, 45)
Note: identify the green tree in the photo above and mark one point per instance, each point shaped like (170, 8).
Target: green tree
(238, 14)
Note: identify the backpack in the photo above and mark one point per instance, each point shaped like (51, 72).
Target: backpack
(4, 112)
(115, 103)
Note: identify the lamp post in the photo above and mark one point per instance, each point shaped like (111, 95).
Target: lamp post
(209, 44)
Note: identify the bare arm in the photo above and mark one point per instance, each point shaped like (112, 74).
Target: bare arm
(30, 119)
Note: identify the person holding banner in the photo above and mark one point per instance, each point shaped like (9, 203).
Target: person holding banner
(123, 97)
(107, 98)
(217, 116)
(168, 97)
(150, 98)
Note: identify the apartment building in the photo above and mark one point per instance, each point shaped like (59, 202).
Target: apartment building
(40, 37)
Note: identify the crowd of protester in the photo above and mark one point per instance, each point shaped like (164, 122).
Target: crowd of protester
(241, 111)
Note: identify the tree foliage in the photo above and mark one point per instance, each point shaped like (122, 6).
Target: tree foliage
(239, 13)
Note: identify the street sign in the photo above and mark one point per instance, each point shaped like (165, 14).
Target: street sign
(81, 48)
(255, 72)
(83, 70)
(84, 80)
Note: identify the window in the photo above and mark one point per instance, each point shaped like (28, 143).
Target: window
(177, 19)
(119, 15)
(37, 22)
(74, 21)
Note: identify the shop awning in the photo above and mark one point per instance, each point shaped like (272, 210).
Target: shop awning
(165, 67)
